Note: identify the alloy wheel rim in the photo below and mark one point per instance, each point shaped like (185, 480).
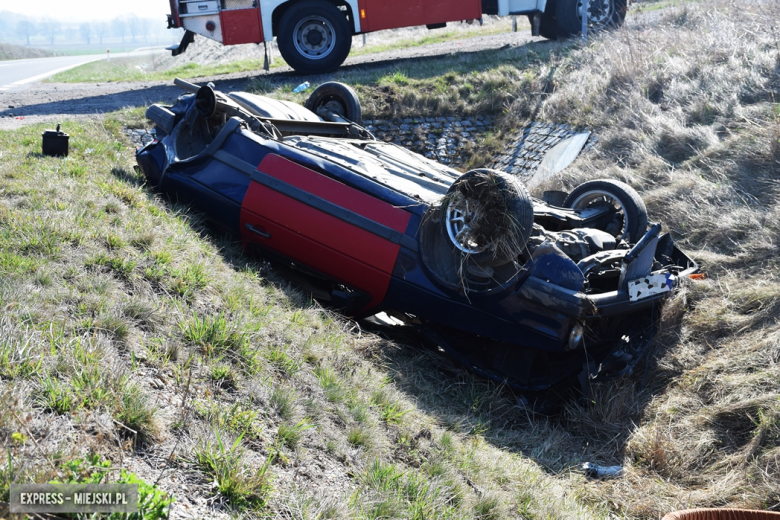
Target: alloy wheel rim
(458, 217)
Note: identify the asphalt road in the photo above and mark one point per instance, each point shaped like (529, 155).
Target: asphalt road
(15, 74)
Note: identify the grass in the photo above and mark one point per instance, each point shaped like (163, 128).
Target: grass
(95, 332)
(437, 36)
(132, 69)
(686, 111)
(245, 487)
(19, 52)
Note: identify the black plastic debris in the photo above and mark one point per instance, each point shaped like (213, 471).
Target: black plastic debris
(55, 143)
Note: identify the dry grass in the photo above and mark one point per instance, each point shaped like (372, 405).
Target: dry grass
(687, 113)
(360, 426)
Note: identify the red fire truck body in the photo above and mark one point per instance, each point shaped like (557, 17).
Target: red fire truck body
(316, 35)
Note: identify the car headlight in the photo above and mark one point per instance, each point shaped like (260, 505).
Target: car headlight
(575, 337)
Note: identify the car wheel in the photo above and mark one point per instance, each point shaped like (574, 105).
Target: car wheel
(338, 98)
(314, 37)
(631, 221)
(488, 216)
(602, 14)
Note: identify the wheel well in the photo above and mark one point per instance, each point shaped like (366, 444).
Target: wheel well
(341, 4)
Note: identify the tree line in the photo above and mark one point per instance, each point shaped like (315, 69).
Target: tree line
(130, 28)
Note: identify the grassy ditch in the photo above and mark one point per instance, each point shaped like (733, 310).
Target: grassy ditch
(686, 111)
(131, 331)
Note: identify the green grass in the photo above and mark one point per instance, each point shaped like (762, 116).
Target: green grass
(290, 435)
(130, 69)
(438, 36)
(120, 305)
(244, 487)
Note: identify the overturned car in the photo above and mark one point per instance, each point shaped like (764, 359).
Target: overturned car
(520, 290)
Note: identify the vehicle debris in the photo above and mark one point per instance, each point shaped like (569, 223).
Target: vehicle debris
(521, 291)
(596, 471)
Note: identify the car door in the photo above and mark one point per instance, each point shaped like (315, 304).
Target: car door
(335, 229)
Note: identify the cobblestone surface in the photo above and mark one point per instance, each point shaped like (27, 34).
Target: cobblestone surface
(444, 139)
(522, 155)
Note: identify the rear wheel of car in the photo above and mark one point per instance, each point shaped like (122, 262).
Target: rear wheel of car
(630, 217)
(488, 216)
(314, 36)
(603, 14)
(338, 98)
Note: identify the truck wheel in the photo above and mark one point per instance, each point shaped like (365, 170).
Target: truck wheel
(602, 13)
(338, 98)
(314, 37)
(488, 216)
(630, 222)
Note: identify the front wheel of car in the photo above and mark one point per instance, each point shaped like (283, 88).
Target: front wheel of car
(488, 216)
(602, 14)
(628, 220)
(314, 36)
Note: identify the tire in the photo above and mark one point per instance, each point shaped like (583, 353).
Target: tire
(634, 212)
(338, 98)
(508, 235)
(548, 28)
(604, 14)
(314, 37)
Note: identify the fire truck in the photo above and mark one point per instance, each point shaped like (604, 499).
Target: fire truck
(315, 36)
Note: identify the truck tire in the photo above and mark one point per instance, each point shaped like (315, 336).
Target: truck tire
(500, 241)
(338, 98)
(604, 14)
(314, 37)
(623, 197)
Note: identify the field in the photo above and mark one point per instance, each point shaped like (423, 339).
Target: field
(133, 334)
(17, 52)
